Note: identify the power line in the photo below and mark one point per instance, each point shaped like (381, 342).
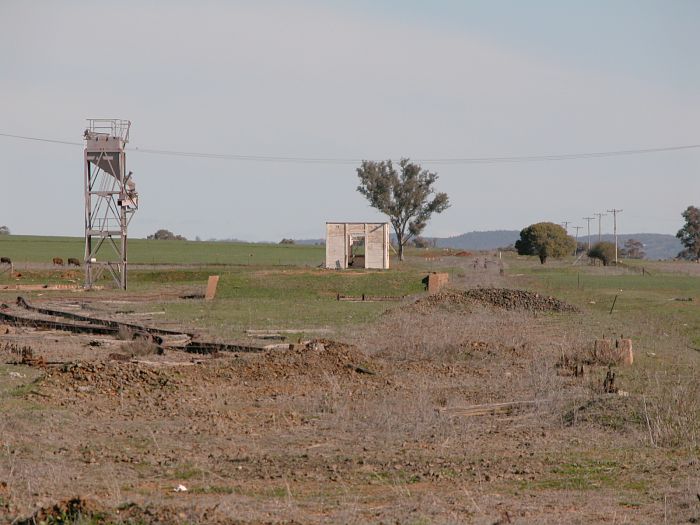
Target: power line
(340, 160)
(39, 139)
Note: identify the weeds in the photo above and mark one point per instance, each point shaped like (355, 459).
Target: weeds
(673, 408)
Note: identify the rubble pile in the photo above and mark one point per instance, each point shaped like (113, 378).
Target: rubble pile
(314, 358)
(503, 298)
(108, 377)
(509, 299)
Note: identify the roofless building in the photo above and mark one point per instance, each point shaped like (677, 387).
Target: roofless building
(357, 245)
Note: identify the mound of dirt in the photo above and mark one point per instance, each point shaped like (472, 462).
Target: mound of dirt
(67, 511)
(316, 358)
(108, 378)
(519, 300)
(504, 298)
(80, 510)
(445, 299)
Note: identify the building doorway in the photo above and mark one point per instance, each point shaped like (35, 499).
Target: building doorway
(356, 251)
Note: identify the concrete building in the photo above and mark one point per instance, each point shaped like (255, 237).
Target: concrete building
(357, 245)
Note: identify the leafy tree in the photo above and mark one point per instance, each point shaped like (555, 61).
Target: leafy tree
(422, 242)
(166, 235)
(405, 194)
(287, 241)
(545, 239)
(604, 251)
(4, 230)
(689, 234)
(633, 249)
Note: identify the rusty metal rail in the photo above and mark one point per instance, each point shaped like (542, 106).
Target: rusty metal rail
(96, 326)
(369, 298)
(17, 320)
(22, 302)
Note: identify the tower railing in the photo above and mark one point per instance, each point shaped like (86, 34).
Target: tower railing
(110, 126)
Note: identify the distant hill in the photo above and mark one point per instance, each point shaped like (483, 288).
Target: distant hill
(480, 240)
(656, 245)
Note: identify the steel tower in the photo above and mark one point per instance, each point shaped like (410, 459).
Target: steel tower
(110, 200)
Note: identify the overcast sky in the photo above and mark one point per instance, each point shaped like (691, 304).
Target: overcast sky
(352, 80)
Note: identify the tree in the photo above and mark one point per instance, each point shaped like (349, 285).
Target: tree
(604, 251)
(166, 235)
(689, 234)
(633, 249)
(545, 239)
(422, 242)
(405, 194)
(4, 230)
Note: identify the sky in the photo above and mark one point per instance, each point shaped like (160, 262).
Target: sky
(367, 79)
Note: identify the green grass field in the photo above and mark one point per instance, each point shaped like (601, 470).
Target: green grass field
(646, 304)
(261, 285)
(34, 249)
(274, 297)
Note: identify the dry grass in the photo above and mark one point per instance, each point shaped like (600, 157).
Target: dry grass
(137, 344)
(141, 346)
(671, 407)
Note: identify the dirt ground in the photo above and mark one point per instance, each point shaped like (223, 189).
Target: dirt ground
(379, 428)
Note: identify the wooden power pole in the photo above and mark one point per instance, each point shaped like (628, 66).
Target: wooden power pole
(600, 217)
(577, 228)
(588, 220)
(615, 212)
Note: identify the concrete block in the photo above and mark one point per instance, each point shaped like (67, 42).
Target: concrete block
(211, 287)
(436, 281)
(624, 351)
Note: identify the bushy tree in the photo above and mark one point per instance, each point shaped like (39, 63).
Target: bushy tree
(689, 234)
(405, 194)
(287, 241)
(545, 239)
(4, 230)
(422, 242)
(166, 235)
(603, 251)
(633, 249)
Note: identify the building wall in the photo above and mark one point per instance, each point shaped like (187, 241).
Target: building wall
(376, 246)
(336, 246)
(376, 237)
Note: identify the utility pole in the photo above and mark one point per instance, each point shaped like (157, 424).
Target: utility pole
(565, 224)
(600, 216)
(589, 219)
(615, 212)
(577, 228)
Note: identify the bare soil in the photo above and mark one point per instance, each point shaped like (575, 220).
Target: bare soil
(374, 429)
